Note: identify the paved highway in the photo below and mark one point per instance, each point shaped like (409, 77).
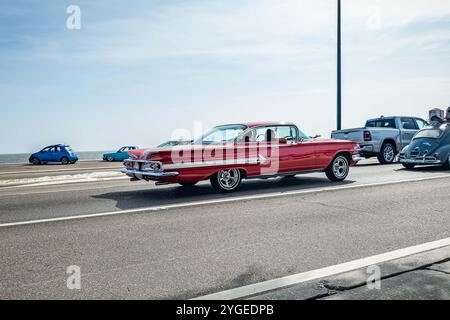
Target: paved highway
(134, 240)
(17, 171)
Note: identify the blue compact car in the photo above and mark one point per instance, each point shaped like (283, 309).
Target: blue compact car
(120, 155)
(56, 153)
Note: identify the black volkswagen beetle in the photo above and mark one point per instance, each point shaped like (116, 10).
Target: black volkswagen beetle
(431, 145)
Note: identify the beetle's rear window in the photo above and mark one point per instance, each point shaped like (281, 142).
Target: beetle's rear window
(429, 133)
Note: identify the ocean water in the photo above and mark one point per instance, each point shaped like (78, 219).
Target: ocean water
(23, 157)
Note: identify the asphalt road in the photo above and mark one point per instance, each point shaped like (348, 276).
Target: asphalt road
(26, 170)
(267, 230)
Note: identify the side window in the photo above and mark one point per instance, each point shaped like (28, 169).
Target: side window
(57, 149)
(260, 134)
(381, 123)
(264, 134)
(283, 132)
(294, 134)
(409, 124)
(420, 123)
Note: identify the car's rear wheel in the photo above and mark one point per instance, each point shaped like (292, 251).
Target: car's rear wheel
(109, 159)
(387, 153)
(35, 161)
(338, 170)
(65, 160)
(409, 166)
(227, 180)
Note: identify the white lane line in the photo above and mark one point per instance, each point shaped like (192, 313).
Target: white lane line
(258, 288)
(218, 201)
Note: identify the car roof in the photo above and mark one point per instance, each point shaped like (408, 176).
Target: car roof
(56, 145)
(260, 124)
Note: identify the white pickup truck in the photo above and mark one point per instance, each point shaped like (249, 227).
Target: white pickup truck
(383, 137)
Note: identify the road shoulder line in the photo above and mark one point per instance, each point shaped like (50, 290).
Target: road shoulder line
(270, 285)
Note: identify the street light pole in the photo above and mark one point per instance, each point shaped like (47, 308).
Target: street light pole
(339, 75)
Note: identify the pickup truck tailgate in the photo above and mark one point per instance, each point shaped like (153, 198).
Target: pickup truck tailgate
(349, 134)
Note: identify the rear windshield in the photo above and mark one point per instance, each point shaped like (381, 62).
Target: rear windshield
(381, 123)
(429, 133)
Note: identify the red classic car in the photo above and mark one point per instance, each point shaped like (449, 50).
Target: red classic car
(227, 154)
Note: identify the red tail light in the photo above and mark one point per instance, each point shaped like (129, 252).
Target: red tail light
(367, 136)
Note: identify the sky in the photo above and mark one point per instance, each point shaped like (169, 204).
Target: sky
(139, 72)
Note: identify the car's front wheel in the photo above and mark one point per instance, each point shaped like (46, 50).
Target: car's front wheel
(387, 153)
(338, 170)
(109, 159)
(409, 166)
(35, 161)
(227, 180)
(65, 160)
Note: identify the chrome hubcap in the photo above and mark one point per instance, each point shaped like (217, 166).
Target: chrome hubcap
(389, 153)
(229, 178)
(340, 167)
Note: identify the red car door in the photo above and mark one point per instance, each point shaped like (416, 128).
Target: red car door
(291, 153)
(300, 156)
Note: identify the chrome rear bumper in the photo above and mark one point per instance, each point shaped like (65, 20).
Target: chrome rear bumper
(427, 160)
(356, 158)
(151, 174)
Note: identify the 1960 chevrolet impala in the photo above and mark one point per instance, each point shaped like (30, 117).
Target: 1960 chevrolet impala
(227, 154)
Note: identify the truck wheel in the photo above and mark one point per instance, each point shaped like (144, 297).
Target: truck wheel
(65, 160)
(387, 153)
(409, 166)
(35, 161)
(227, 180)
(338, 169)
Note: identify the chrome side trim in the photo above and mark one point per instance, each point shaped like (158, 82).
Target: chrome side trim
(230, 162)
(150, 174)
(283, 174)
(141, 161)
